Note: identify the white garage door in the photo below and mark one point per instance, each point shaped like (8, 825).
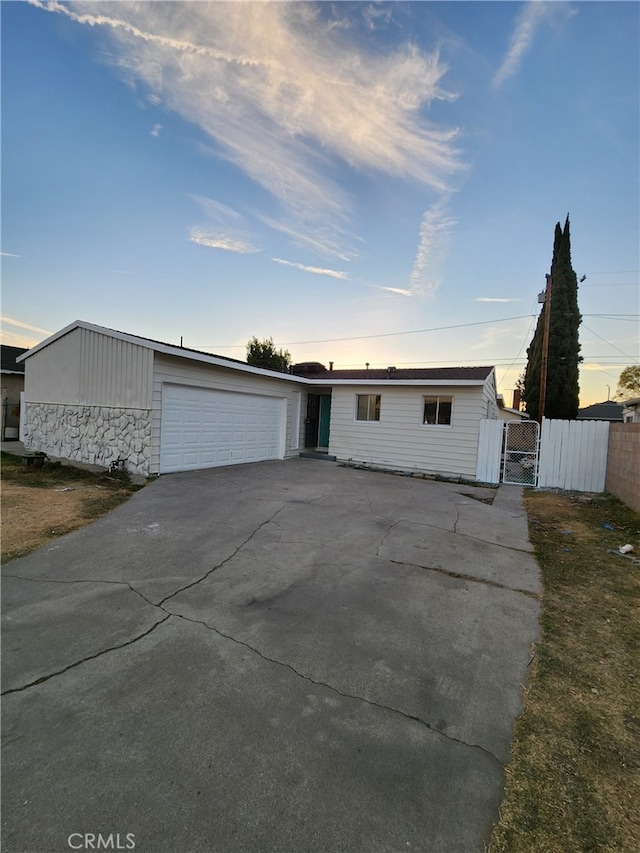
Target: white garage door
(204, 429)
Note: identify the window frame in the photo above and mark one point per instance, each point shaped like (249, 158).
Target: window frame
(377, 408)
(448, 398)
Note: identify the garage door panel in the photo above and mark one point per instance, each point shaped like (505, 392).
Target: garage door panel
(204, 428)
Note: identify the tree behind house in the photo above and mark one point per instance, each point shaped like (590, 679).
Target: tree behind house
(563, 358)
(264, 354)
(629, 383)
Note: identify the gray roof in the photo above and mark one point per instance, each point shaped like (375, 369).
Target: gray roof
(9, 355)
(441, 374)
(607, 411)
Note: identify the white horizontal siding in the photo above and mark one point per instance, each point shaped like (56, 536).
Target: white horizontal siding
(174, 370)
(400, 439)
(114, 373)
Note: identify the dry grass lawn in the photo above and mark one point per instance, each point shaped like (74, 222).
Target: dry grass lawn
(573, 783)
(40, 505)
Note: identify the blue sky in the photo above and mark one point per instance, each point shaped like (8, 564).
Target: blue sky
(363, 182)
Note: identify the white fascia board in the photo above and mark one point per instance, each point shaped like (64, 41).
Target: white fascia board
(166, 349)
(217, 361)
(179, 352)
(389, 383)
(54, 337)
(13, 372)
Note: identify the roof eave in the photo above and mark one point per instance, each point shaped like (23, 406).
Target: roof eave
(391, 382)
(165, 349)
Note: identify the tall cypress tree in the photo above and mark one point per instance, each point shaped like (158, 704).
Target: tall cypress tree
(563, 358)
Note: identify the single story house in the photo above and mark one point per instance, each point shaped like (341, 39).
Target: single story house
(509, 415)
(12, 386)
(631, 411)
(100, 396)
(609, 410)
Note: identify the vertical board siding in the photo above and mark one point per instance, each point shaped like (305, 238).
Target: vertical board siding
(399, 439)
(489, 451)
(52, 375)
(180, 371)
(114, 372)
(573, 455)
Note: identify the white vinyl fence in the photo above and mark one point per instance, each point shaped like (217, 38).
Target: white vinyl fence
(572, 454)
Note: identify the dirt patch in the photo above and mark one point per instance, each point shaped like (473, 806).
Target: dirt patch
(30, 517)
(38, 506)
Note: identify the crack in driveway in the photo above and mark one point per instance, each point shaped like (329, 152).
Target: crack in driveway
(81, 580)
(73, 665)
(226, 559)
(159, 606)
(338, 691)
(256, 651)
(536, 596)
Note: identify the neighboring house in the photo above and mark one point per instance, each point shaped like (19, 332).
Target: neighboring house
(631, 411)
(607, 411)
(12, 385)
(105, 397)
(509, 415)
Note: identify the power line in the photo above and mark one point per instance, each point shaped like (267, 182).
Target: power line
(409, 332)
(626, 355)
(630, 318)
(612, 272)
(625, 317)
(367, 337)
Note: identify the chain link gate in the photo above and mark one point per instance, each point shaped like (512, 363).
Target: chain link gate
(521, 452)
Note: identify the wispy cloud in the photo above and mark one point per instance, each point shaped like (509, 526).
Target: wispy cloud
(9, 255)
(401, 291)
(316, 270)
(494, 299)
(15, 339)
(216, 211)
(286, 96)
(323, 240)
(225, 228)
(155, 131)
(226, 242)
(435, 233)
(18, 324)
(531, 16)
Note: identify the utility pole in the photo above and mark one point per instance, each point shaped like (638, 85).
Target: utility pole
(545, 348)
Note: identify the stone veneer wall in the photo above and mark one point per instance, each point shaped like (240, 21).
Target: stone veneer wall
(623, 463)
(97, 435)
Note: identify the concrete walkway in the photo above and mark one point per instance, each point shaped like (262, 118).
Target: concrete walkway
(286, 656)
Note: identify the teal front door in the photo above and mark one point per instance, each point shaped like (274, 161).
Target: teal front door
(325, 418)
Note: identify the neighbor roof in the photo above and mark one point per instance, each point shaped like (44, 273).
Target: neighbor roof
(429, 374)
(9, 356)
(609, 410)
(410, 376)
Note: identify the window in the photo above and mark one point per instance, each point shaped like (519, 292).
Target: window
(437, 410)
(368, 407)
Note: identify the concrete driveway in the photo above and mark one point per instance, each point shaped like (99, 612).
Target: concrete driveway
(286, 656)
